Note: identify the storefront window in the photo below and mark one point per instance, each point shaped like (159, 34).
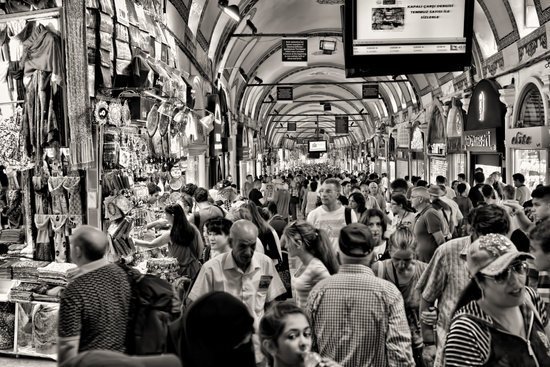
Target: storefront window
(532, 164)
(531, 112)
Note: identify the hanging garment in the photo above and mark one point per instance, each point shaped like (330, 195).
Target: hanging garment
(59, 201)
(72, 185)
(7, 326)
(42, 222)
(44, 325)
(73, 221)
(40, 186)
(42, 51)
(60, 239)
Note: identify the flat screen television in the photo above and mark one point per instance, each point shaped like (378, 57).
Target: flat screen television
(393, 37)
(317, 146)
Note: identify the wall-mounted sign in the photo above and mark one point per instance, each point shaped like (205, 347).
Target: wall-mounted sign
(528, 138)
(294, 51)
(454, 145)
(437, 149)
(370, 91)
(291, 126)
(481, 140)
(417, 141)
(342, 124)
(285, 94)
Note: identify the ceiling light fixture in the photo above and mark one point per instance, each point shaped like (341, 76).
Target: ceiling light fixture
(231, 10)
(362, 110)
(243, 75)
(259, 80)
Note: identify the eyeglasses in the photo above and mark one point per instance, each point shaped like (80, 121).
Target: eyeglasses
(519, 268)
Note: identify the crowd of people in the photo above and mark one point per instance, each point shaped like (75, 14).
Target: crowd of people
(318, 267)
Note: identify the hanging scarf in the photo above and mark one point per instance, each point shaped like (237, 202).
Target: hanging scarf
(78, 101)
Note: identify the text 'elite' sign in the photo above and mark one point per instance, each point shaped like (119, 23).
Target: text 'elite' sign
(285, 94)
(294, 51)
(370, 91)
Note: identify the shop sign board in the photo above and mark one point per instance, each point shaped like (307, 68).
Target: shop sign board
(439, 149)
(481, 140)
(294, 51)
(528, 138)
(454, 145)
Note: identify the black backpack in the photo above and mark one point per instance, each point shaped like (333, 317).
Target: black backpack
(153, 309)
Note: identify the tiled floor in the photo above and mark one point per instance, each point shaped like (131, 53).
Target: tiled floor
(25, 362)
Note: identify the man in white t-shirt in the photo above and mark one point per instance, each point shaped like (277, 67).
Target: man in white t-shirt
(331, 216)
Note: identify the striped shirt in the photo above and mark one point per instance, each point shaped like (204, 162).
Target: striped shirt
(469, 339)
(359, 320)
(443, 281)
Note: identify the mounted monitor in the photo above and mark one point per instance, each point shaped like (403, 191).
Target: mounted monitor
(317, 146)
(393, 37)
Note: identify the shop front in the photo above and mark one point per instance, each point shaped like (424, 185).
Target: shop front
(437, 147)
(391, 158)
(528, 138)
(402, 151)
(418, 167)
(484, 132)
(456, 155)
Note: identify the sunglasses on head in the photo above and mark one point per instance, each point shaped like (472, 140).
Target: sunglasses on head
(519, 268)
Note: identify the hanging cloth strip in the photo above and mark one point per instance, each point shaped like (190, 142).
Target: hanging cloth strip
(44, 248)
(72, 185)
(60, 239)
(78, 104)
(59, 201)
(40, 186)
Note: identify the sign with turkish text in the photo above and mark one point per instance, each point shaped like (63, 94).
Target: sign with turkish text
(370, 91)
(294, 51)
(285, 94)
(481, 140)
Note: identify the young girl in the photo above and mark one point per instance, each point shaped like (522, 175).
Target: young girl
(286, 338)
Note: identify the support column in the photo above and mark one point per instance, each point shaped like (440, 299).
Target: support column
(508, 96)
(202, 171)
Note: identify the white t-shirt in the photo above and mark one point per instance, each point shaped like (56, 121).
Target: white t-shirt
(332, 222)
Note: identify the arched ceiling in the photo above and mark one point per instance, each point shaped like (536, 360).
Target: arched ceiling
(497, 24)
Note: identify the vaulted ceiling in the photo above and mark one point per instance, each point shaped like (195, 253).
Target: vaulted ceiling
(497, 24)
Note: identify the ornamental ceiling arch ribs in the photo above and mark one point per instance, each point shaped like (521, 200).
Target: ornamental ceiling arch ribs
(266, 91)
(274, 121)
(213, 32)
(304, 121)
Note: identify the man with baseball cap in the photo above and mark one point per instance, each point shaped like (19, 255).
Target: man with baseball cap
(357, 318)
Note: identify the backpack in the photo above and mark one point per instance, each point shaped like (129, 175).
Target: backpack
(152, 310)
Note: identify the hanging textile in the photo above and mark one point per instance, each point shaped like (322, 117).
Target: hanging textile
(72, 185)
(81, 144)
(60, 238)
(59, 201)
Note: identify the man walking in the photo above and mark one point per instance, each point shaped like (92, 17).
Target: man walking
(429, 227)
(244, 273)
(94, 308)
(357, 319)
(331, 216)
(522, 192)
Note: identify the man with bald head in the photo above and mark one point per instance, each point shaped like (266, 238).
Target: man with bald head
(244, 273)
(94, 308)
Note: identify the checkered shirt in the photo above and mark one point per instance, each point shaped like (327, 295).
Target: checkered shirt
(359, 320)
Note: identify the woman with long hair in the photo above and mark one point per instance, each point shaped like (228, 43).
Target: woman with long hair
(314, 249)
(498, 320)
(377, 222)
(403, 270)
(266, 234)
(403, 213)
(358, 204)
(286, 338)
(184, 241)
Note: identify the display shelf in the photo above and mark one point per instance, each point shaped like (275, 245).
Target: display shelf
(7, 351)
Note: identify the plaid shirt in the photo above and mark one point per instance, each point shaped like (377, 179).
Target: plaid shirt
(359, 320)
